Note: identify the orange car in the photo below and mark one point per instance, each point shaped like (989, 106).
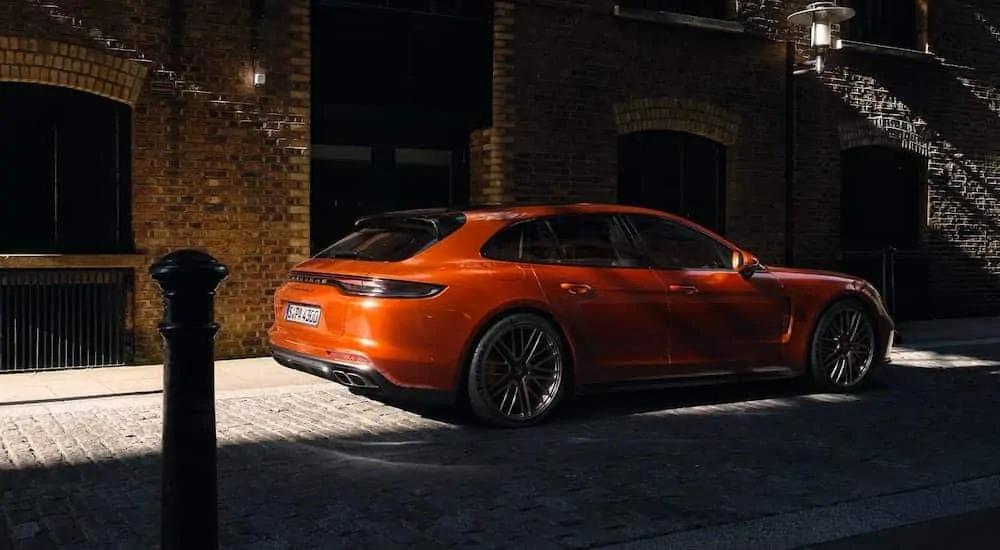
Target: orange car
(513, 308)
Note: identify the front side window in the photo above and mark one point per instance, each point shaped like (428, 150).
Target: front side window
(584, 240)
(671, 245)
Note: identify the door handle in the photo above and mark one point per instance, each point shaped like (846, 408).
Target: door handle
(683, 289)
(575, 288)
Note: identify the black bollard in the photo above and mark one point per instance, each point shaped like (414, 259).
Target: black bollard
(189, 515)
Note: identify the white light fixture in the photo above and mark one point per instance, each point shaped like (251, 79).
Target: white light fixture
(820, 16)
(259, 75)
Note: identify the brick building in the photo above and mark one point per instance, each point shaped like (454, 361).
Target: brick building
(129, 128)
(686, 105)
(895, 144)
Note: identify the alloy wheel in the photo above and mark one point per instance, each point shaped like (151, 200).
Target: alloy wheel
(519, 371)
(845, 347)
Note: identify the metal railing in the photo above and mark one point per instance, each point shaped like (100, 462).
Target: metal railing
(899, 275)
(64, 318)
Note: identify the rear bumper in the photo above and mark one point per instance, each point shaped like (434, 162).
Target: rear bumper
(366, 381)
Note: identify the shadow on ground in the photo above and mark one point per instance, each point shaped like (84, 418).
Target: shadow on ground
(326, 469)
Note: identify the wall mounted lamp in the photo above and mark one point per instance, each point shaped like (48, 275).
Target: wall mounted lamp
(820, 17)
(259, 74)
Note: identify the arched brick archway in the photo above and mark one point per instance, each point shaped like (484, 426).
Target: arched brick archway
(678, 115)
(883, 132)
(672, 157)
(35, 61)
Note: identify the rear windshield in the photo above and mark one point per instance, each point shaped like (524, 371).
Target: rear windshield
(391, 239)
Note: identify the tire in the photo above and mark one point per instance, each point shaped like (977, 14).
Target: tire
(518, 372)
(844, 348)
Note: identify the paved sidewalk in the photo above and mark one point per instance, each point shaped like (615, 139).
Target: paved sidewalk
(36, 388)
(947, 330)
(979, 530)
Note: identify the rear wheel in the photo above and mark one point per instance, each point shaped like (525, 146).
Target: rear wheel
(517, 373)
(844, 347)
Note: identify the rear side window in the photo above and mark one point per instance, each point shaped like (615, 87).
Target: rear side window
(584, 240)
(388, 239)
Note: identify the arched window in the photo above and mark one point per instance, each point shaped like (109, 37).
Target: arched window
(883, 197)
(675, 172)
(65, 171)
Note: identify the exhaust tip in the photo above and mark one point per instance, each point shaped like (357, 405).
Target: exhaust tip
(357, 380)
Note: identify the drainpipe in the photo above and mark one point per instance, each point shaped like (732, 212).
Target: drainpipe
(790, 114)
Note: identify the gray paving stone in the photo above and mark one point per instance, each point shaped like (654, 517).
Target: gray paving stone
(326, 469)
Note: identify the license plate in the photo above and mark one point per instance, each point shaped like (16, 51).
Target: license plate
(298, 313)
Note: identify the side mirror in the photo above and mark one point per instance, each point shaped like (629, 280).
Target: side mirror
(747, 264)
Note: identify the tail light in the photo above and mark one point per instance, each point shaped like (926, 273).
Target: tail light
(370, 286)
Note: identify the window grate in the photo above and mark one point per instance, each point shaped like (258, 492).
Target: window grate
(64, 318)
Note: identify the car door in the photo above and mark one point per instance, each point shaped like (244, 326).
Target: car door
(608, 298)
(722, 322)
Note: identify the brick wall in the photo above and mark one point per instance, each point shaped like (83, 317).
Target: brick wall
(944, 106)
(217, 164)
(562, 69)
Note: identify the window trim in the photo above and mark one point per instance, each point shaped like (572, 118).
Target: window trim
(640, 242)
(627, 233)
(679, 19)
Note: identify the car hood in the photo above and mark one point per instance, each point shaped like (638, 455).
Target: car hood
(792, 274)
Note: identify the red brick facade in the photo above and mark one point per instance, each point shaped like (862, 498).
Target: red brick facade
(217, 163)
(569, 76)
(222, 165)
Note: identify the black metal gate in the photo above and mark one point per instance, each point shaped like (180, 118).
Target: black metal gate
(900, 276)
(64, 318)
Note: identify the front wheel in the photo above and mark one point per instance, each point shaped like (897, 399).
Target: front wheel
(517, 373)
(844, 347)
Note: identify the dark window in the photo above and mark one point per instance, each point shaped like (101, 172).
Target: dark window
(429, 54)
(885, 22)
(675, 172)
(715, 9)
(590, 240)
(392, 237)
(351, 182)
(671, 245)
(65, 184)
(530, 241)
(883, 197)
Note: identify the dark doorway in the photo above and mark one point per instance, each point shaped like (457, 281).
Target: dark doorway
(882, 213)
(352, 181)
(883, 197)
(676, 172)
(65, 180)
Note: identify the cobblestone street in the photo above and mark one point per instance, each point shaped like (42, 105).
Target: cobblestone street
(321, 468)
